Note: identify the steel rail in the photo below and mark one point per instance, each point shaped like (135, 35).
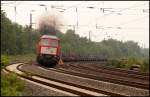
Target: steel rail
(49, 84)
(114, 72)
(73, 84)
(107, 79)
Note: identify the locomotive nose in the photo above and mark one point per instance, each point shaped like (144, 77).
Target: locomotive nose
(48, 50)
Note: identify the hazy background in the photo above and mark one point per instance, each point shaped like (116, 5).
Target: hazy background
(122, 20)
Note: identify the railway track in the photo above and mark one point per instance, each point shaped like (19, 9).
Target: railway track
(101, 77)
(103, 65)
(113, 71)
(77, 85)
(122, 70)
(71, 84)
(65, 86)
(136, 80)
(142, 79)
(79, 69)
(100, 85)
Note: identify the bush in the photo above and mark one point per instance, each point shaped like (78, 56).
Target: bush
(4, 60)
(11, 85)
(145, 66)
(116, 63)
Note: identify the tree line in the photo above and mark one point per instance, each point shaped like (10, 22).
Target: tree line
(16, 39)
(75, 45)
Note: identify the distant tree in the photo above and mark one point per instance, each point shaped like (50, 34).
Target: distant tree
(16, 39)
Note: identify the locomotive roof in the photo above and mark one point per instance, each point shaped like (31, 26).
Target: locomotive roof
(49, 36)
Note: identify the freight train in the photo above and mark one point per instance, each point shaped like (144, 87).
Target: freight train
(48, 50)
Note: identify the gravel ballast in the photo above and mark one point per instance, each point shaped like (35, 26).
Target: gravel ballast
(106, 86)
(32, 89)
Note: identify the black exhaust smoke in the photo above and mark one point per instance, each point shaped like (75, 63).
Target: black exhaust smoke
(49, 24)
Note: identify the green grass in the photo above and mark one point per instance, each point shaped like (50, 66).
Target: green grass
(27, 58)
(11, 85)
(4, 60)
(145, 66)
(22, 58)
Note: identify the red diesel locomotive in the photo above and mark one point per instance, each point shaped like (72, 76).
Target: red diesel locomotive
(48, 50)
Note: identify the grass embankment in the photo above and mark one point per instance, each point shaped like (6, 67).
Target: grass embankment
(11, 85)
(22, 58)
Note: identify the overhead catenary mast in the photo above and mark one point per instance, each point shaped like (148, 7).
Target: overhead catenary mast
(15, 9)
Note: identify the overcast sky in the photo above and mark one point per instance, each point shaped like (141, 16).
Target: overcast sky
(121, 20)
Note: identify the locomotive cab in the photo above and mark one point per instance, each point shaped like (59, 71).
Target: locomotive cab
(48, 50)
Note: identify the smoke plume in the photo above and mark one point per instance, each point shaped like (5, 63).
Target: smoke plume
(49, 24)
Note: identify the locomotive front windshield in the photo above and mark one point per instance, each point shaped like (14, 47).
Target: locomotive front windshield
(44, 42)
(54, 43)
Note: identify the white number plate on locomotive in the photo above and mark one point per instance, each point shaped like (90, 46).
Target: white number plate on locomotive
(46, 50)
